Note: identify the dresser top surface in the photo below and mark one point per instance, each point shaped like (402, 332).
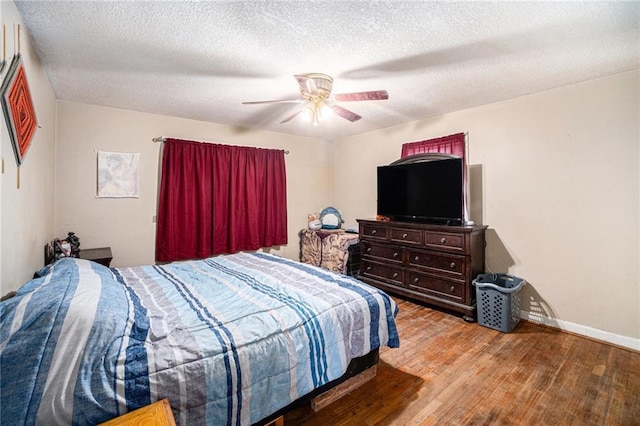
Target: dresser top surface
(426, 226)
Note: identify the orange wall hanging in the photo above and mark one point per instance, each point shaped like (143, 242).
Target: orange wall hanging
(17, 107)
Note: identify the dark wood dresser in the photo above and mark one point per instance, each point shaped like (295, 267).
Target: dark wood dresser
(431, 263)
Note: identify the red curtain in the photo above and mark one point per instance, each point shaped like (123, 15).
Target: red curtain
(219, 199)
(452, 144)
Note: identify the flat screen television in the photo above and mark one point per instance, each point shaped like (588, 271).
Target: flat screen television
(428, 191)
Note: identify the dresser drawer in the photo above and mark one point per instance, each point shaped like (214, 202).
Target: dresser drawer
(406, 236)
(387, 273)
(383, 252)
(373, 231)
(444, 241)
(435, 286)
(438, 262)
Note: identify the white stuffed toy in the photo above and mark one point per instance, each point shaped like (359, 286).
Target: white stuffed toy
(313, 222)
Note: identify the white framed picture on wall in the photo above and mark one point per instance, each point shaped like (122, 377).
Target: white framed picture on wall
(118, 175)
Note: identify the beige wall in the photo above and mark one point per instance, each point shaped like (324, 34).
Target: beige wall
(126, 225)
(555, 177)
(26, 213)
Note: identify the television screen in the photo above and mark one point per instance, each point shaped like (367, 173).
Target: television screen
(430, 191)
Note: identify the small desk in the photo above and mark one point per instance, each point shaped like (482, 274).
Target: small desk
(100, 255)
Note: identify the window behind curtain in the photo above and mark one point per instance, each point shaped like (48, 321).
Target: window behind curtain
(219, 199)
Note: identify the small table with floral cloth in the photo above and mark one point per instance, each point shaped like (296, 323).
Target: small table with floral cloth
(329, 249)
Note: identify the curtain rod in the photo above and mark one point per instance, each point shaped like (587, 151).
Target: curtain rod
(163, 139)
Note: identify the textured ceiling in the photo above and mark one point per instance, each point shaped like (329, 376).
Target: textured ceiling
(201, 60)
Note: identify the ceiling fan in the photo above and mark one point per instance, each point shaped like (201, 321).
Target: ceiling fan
(315, 89)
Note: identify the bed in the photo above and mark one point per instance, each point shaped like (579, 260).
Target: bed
(228, 340)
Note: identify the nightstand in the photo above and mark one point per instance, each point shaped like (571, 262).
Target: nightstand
(100, 255)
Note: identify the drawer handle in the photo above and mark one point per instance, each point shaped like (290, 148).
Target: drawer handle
(374, 232)
(368, 268)
(416, 258)
(404, 235)
(395, 275)
(443, 240)
(453, 289)
(395, 255)
(453, 264)
(368, 249)
(416, 280)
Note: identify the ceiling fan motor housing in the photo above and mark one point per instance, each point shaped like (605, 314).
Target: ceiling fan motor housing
(314, 86)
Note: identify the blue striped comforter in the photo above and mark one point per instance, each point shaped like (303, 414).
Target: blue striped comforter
(229, 340)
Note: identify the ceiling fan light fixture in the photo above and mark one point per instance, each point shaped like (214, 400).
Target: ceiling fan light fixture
(324, 110)
(315, 111)
(308, 112)
(316, 115)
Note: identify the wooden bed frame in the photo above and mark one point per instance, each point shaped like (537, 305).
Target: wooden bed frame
(359, 371)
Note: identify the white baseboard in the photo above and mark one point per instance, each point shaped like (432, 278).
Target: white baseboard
(583, 330)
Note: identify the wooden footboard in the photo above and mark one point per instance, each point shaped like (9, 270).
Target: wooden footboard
(359, 371)
(344, 388)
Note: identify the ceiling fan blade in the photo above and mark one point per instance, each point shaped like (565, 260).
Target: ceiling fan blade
(345, 113)
(279, 101)
(375, 95)
(292, 116)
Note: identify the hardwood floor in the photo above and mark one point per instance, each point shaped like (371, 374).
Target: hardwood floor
(448, 372)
